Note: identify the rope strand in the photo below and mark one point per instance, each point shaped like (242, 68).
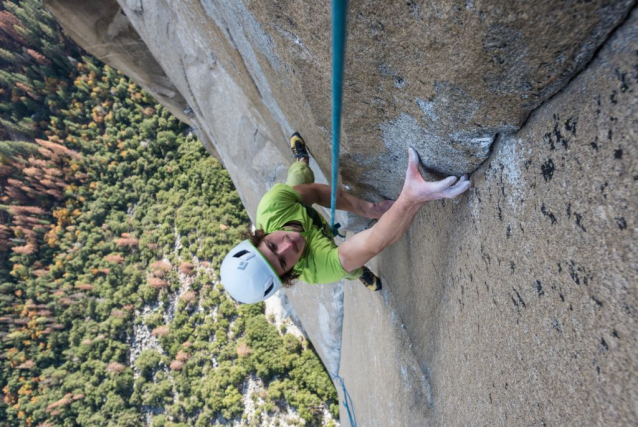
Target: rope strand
(347, 400)
(339, 17)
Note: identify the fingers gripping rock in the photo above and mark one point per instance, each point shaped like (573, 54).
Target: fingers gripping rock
(461, 186)
(419, 190)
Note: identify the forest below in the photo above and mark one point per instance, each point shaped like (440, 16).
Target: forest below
(113, 224)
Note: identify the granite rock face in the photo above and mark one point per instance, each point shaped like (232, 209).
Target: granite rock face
(514, 304)
(444, 77)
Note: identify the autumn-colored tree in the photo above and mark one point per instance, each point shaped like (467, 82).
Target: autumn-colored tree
(182, 356)
(189, 296)
(157, 283)
(115, 367)
(127, 241)
(114, 258)
(160, 265)
(187, 268)
(160, 331)
(176, 365)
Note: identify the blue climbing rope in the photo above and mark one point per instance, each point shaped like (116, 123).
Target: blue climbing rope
(339, 16)
(347, 400)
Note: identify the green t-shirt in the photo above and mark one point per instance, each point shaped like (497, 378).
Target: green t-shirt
(319, 262)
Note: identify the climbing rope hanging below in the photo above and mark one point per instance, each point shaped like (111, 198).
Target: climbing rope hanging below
(339, 16)
(347, 400)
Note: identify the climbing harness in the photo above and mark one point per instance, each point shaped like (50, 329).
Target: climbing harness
(347, 400)
(339, 16)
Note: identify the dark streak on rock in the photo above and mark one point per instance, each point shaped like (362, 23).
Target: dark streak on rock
(515, 303)
(519, 298)
(547, 169)
(556, 325)
(486, 258)
(622, 223)
(598, 302)
(603, 345)
(573, 274)
(559, 136)
(539, 288)
(508, 231)
(574, 269)
(623, 80)
(598, 104)
(618, 153)
(548, 138)
(628, 308)
(570, 125)
(548, 214)
(578, 223)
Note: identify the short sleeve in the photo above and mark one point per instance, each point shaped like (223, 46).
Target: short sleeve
(277, 205)
(323, 264)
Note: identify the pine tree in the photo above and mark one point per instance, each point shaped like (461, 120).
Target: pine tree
(9, 149)
(9, 57)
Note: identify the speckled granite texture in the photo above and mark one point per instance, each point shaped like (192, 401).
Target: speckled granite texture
(519, 300)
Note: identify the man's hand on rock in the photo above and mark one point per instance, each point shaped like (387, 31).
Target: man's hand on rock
(417, 190)
(363, 246)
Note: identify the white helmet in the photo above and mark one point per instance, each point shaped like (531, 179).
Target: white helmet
(247, 275)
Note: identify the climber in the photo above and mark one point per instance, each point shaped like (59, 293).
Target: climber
(293, 240)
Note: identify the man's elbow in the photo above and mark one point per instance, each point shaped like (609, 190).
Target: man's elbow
(352, 261)
(347, 264)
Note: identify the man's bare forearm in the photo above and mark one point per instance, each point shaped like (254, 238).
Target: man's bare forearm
(362, 247)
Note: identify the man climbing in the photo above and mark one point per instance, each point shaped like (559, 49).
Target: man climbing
(293, 240)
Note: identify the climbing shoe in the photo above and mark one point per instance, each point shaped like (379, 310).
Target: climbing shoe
(369, 279)
(298, 146)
